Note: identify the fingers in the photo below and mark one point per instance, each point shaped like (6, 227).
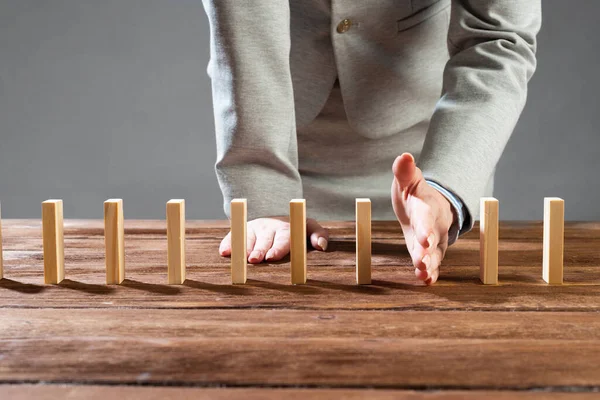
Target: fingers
(433, 271)
(264, 241)
(225, 246)
(281, 245)
(421, 260)
(427, 260)
(404, 169)
(406, 173)
(443, 245)
(427, 268)
(250, 240)
(319, 237)
(423, 224)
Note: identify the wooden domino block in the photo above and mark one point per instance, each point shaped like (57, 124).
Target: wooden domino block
(298, 241)
(239, 255)
(363, 241)
(1, 262)
(554, 232)
(114, 240)
(53, 241)
(176, 241)
(488, 241)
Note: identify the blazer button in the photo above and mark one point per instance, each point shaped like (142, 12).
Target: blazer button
(344, 26)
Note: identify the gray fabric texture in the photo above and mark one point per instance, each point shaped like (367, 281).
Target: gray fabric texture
(284, 131)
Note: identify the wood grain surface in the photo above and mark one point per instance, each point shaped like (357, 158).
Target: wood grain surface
(329, 338)
(91, 392)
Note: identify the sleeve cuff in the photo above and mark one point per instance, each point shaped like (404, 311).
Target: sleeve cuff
(459, 226)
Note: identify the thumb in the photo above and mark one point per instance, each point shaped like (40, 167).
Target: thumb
(406, 173)
(319, 237)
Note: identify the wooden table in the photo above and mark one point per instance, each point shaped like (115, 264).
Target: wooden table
(267, 339)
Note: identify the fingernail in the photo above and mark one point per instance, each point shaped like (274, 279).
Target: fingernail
(430, 240)
(255, 255)
(322, 242)
(269, 255)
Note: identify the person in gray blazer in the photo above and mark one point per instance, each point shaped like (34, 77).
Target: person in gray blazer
(319, 99)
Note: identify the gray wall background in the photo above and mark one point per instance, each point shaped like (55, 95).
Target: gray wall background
(110, 98)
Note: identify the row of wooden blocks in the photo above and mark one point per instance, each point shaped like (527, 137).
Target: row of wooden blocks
(298, 241)
(553, 242)
(114, 237)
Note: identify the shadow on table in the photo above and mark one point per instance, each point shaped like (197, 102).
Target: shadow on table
(513, 296)
(288, 288)
(151, 287)
(377, 248)
(20, 286)
(363, 289)
(86, 287)
(225, 289)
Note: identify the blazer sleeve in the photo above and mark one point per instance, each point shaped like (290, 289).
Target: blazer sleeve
(492, 47)
(257, 156)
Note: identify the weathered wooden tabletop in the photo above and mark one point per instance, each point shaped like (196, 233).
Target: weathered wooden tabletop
(269, 339)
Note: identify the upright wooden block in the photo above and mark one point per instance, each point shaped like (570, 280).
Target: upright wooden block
(488, 241)
(239, 254)
(176, 241)
(114, 240)
(554, 232)
(53, 241)
(298, 241)
(363, 241)
(1, 262)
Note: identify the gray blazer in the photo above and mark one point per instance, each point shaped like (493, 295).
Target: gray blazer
(274, 63)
